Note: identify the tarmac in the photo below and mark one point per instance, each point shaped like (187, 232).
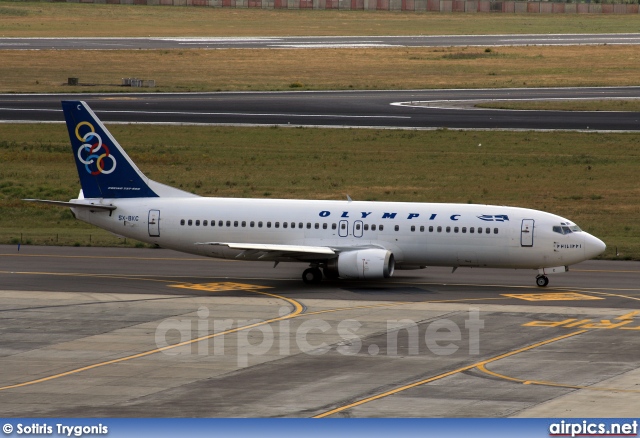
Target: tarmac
(107, 332)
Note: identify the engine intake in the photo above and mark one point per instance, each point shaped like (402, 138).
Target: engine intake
(364, 264)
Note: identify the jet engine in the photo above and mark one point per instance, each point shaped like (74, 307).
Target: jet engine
(362, 264)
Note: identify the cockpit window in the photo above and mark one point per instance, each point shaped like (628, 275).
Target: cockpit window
(566, 229)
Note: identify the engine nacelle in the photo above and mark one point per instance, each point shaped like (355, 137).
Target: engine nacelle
(365, 264)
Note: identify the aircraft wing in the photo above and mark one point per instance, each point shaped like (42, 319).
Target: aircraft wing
(260, 251)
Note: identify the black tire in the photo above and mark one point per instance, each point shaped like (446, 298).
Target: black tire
(542, 280)
(312, 276)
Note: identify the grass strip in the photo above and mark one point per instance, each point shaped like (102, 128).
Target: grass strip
(263, 69)
(590, 178)
(632, 105)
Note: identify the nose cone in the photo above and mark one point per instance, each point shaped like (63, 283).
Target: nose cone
(593, 246)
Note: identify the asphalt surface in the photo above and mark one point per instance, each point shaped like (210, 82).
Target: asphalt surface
(91, 332)
(355, 42)
(411, 109)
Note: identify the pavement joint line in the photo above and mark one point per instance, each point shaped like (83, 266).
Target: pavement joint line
(605, 270)
(143, 276)
(443, 375)
(202, 259)
(609, 294)
(297, 310)
(484, 369)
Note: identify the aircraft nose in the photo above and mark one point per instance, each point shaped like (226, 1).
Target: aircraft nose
(593, 246)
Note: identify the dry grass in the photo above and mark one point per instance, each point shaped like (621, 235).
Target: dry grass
(68, 19)
(567, 105)
(381, 68)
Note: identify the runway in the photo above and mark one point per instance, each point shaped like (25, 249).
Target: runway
(309, 42)
(410, 109)
(94, 332)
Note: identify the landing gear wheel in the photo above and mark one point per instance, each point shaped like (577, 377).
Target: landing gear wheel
(542, 280)
(312, 276)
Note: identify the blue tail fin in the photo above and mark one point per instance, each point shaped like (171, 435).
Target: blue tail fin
(105, 170)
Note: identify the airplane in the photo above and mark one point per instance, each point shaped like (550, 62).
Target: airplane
(337, 239)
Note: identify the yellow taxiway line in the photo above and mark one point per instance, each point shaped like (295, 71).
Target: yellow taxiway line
(297, 310)
(554, 384)
(443, 375)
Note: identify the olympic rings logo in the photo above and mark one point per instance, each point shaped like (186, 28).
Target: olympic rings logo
(92, 144)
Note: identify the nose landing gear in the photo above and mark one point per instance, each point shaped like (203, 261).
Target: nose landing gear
(542, 280)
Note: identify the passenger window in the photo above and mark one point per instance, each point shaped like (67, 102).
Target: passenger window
(456, 229)
(293, 224)
(198, 223)
(277, 224)
(422, 228)
(334, 226)
(324, 226)
(472, 230)
(495, 231)
(244, 224)
(300, 225)
(439, 229)
(235, 223)
(213, 223)
(464, 230)
(448, 229)
(182, 222)
(308, 225)
(259, 224)
(479, 230)
(413, 227)
(381, 227)
(252, 224)
(317, 227)
(343, 226)
(373, 227)
(488, 230)
(268, 224)
(190, 222)
(397, 227)
(228, 223)
(204, 223)
(284, 225)
(431, 229)
(366, 227)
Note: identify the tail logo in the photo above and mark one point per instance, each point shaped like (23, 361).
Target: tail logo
(94, 162)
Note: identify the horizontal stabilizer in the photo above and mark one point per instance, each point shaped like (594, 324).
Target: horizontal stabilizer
(74, 204)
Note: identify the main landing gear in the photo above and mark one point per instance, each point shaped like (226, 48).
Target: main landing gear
(542, 280)
(312, 275)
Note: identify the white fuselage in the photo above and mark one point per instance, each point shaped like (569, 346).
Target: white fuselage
(418, 234)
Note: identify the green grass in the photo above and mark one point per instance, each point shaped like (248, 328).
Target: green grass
(589, 178)
(68, 19)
